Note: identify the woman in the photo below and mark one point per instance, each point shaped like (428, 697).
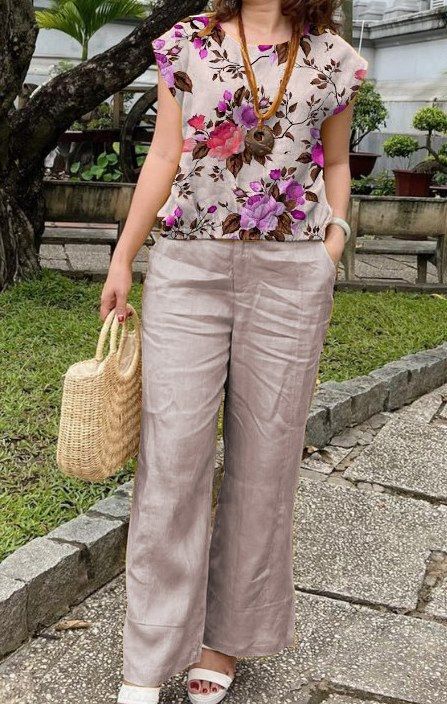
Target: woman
(238, 297)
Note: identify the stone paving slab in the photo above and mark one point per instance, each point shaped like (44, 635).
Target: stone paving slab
(407, 454)
(340, 648)
(379, 654)
(365, 546)
(437, 606)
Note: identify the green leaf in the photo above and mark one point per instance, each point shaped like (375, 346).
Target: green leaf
(102, 160)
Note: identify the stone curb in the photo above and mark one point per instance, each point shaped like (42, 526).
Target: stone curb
(340, 404)
(83, 554)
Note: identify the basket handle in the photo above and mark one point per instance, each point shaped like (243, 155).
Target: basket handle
(111, 323)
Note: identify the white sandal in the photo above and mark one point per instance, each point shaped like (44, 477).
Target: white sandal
(130, 694)
(200, 673)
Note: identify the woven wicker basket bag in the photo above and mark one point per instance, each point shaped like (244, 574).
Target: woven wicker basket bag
(99, 426)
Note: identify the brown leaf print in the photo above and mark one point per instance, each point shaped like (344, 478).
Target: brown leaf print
(217, 34)
(200, 151)
(282, 52)
(305, 47)
(234, 163)
(231, 223)
(252, 234)
(275, 191)
(284, 226)
(277, 129)
(239, 96)
(247, 156)
(278, 236)
(182, 81)
(304, 158)
(310, 195)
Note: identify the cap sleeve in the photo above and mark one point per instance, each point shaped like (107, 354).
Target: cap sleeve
(171, 56)
(349, 74)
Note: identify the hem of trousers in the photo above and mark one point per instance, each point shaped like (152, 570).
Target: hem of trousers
(133, 673)
(253, 649)
(260, 651)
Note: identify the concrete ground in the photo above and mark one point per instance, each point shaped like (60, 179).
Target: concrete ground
(95, 258)
(370, 576)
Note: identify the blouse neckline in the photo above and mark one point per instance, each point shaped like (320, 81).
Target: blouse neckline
(260, 47)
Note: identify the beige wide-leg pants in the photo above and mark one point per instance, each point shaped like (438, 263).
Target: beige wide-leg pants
(249, 317)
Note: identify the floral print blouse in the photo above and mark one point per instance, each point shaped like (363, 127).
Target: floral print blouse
(221, 188)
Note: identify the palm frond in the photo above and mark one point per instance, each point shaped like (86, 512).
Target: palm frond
(81, 19)
(109, 10)
(66, 18)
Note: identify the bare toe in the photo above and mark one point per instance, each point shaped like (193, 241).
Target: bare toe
(195, 686)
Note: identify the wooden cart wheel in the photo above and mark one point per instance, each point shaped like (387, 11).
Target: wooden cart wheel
(138, 130)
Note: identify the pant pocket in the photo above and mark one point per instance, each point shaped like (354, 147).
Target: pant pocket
(328, 257)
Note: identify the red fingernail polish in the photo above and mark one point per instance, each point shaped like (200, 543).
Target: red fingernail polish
(120, 318)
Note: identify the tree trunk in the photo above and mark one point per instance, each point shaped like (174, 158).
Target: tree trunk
(347, 20)
(29, 134)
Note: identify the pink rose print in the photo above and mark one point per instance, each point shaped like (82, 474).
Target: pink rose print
(293, 191)
(270, 50)
(197, 121)
(360, 74)
(245, 115)
(189, 145)
(200, 44)
(225, 140)
(339, 108)
(317, 154)
(261, 211)
(178, 32)
(203, 19)
(165, 67)
(170, 220)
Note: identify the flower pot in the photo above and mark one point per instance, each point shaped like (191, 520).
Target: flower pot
(412, 183)
(362, 163)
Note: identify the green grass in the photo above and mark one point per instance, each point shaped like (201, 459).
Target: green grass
(53, 321)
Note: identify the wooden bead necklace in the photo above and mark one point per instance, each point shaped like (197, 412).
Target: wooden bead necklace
(261, 139)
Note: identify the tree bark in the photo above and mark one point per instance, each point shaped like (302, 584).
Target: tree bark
(29, 134)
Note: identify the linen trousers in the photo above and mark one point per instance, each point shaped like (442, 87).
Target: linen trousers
(247, 320)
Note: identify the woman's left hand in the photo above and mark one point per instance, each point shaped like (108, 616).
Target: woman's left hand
(334, 241)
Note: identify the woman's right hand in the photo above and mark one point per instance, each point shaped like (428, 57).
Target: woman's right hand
(116, 290)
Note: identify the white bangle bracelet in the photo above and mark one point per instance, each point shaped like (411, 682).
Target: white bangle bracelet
(345, 225)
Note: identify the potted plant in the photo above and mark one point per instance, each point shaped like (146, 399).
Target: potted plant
(416, 181)
(369, 115)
